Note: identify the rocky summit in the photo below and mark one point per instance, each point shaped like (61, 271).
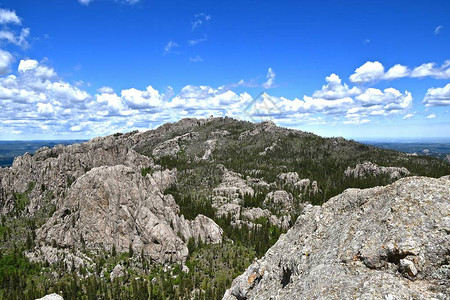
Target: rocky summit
(180, 211)
(388, 242)
(117, 206)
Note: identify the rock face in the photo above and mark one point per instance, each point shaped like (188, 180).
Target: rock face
(370, 169)
(172, 146)
(281, 200)
(232, 186)
(291, 179)
(387, 242)
(117, 206)
(55, 169)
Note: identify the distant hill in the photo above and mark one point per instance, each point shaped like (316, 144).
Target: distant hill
(439, 150)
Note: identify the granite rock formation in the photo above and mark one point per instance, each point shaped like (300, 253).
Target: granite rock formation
(387, 242)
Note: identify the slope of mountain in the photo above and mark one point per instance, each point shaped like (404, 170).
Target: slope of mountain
(178, 211)
(380, 243)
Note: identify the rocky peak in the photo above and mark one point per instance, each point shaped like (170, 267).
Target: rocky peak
(387, 242)
(118, 207)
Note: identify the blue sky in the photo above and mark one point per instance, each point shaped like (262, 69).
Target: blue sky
(358, 69)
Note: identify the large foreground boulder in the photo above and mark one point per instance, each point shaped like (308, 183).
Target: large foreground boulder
(387, 242)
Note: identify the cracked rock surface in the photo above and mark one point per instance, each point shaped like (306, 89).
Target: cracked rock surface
(117, 206)
(387, 242)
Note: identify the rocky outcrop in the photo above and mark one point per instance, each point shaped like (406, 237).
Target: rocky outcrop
(387, 242)
(291, 179)
(209, 148)
(118, 207)
(255, 213)
(281, 201)
(202, 228)
(265, 126)
(370, 169)
(118, 271)
(53, 296)
(269, 149)
(173, 146)
(257, 183)
(232, 186)
(71, 259)
(54, 170)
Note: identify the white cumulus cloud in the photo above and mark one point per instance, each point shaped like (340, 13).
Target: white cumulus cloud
(9, 16)
(397, 71)
(369, 72)
(438, 96)
(334, 89)
(430, 70)
(374, 71)
(27, 64)
(136, 99)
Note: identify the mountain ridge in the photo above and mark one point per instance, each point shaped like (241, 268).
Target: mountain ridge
(167, 199)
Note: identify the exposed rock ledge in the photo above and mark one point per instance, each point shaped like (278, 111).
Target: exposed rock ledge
(118, 206)
(387, 242)
(370, 169)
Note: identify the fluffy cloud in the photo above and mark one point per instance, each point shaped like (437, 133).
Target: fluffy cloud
(430, 70)
(431, 116)
(6, 59)
(26, 65)
(136, 99)
(45, 108)
(374, 71)
(334, 89)
(397, 71)
(270, 79)
(438, 96)
(36, 99)
(369, 72)
(109, 104)
(35, 93)
(388, 97)
(9, 17)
